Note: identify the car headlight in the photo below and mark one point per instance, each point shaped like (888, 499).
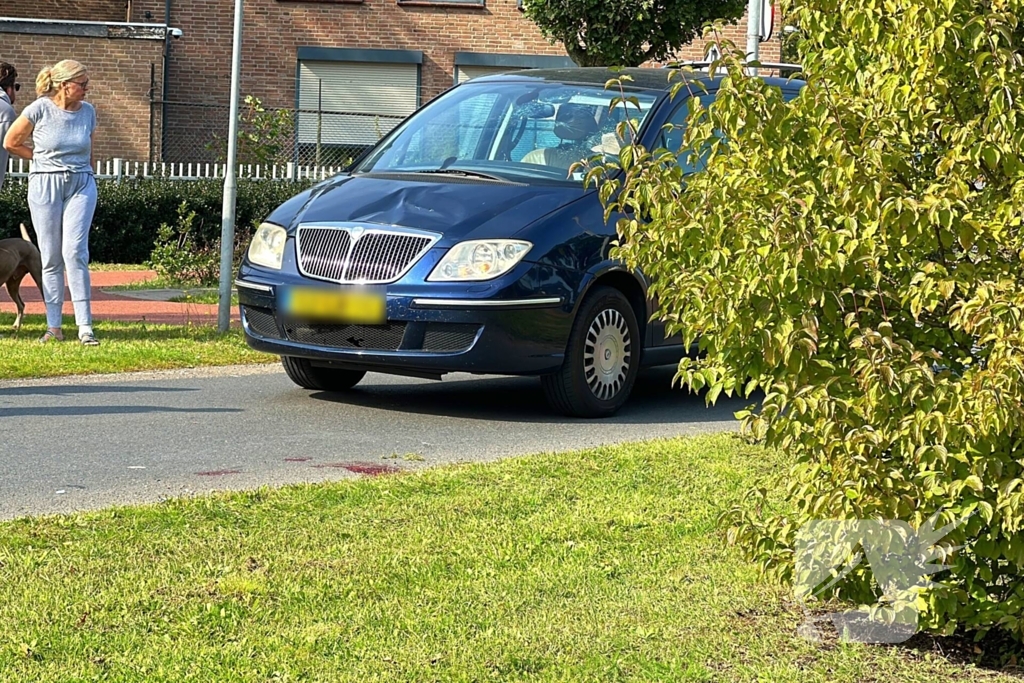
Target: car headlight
(267, 246)
(479, 260)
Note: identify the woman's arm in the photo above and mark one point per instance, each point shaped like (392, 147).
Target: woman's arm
(14, 141)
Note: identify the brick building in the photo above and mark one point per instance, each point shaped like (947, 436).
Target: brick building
(349, 69)
(125, 63)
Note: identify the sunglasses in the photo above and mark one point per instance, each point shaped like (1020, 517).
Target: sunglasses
(16, 86)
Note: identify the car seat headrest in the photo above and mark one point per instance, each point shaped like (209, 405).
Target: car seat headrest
(574, 122)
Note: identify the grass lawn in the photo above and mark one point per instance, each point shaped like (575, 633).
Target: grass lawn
(156, 283)
(194, 295)
(124, 347)
(603, 565)
(106, 267)
(202, 297)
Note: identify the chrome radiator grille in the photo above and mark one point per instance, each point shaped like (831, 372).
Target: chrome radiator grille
(356, 254)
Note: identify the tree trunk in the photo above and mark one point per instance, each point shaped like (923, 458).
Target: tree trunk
(580, 55)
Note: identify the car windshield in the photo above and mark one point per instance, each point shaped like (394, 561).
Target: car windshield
(520, 130)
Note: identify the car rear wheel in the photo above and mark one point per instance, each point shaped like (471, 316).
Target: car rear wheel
(602, 358)
(309, 376)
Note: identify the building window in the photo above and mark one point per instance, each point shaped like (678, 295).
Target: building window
(348, 99)
(442, 3)
(470, 65)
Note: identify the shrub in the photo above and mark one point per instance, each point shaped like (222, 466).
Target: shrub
(128, 214)
(176, 257)
(263, 136)
(856, 255)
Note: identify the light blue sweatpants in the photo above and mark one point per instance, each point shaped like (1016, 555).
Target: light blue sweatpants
(62, 206)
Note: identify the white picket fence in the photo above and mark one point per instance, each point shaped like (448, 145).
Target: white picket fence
(122, 169)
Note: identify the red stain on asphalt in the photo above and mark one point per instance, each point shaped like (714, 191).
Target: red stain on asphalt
(297, 459)
(218, 473)
(370, 469)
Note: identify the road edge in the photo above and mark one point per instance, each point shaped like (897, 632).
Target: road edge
(148, 375)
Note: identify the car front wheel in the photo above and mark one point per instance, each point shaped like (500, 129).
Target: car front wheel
(602, 358)
(309, 376)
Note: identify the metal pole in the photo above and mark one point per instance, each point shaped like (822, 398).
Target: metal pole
(152, 109)
(753, 33)
(163, 85)
(227, 230)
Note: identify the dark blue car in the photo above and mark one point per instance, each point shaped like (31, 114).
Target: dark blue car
(466, 242)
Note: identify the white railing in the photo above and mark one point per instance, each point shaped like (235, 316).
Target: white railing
(121, 169)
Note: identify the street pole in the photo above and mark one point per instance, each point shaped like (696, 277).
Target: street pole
(753, 33)
(227, 229)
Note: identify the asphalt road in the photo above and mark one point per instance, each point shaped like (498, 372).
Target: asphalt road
(83, 443)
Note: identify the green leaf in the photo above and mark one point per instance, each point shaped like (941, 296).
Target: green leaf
(885, 204)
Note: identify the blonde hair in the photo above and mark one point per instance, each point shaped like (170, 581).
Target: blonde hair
(52, 76)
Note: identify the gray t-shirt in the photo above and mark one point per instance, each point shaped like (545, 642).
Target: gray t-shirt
(6, 119)
(61, 140)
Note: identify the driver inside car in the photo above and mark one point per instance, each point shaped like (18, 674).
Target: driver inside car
(574, 123)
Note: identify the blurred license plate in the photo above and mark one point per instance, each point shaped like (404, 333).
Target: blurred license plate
(361, 306)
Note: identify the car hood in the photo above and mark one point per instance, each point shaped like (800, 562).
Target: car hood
(456, 208)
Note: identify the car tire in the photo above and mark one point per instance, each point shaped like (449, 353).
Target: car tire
(601, 360)
(309, 376)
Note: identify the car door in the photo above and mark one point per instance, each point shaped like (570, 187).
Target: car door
(671, 138)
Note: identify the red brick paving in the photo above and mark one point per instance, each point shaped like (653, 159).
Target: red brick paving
(110, 306)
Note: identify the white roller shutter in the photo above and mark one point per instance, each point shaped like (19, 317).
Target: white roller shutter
(466, 72)
(358, 102)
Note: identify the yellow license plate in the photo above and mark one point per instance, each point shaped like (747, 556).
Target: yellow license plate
(360, 306)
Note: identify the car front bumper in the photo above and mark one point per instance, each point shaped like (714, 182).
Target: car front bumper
(427, 333)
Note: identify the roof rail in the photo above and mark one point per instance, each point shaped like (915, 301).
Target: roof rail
(761, 65)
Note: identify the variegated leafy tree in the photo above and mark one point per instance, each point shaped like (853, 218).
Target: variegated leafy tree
(856, 255)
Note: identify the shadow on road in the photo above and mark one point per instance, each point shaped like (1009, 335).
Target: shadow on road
(521, 399)
(69, 390)
(77, 411)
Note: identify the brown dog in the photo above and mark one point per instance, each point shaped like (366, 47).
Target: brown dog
(19, 257)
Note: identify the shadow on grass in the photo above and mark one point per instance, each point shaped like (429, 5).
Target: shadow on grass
(156, 332)
(124, 347)
(996, 652)
(34, 326)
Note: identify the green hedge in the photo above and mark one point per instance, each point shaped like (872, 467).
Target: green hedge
(130, 213)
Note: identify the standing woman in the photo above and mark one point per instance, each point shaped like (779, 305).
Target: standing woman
(61, 188)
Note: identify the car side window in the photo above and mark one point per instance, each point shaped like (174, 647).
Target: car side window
(671, 137)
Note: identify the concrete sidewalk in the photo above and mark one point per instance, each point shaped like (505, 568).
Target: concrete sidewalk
(118, 306)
